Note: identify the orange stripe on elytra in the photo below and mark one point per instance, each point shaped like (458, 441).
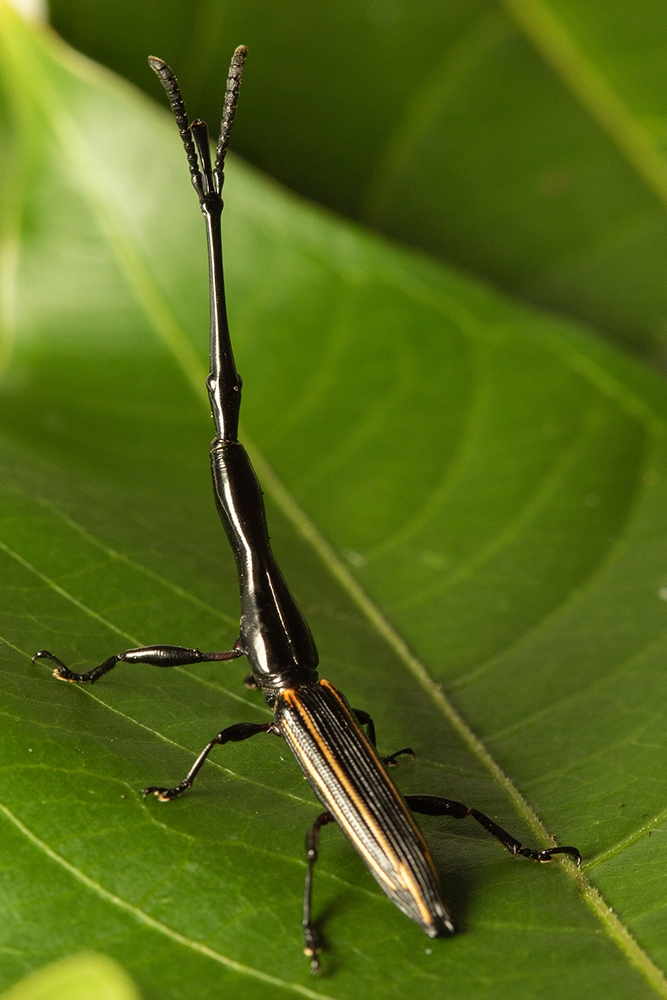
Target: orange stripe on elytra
(399, 801)
(416, 894)
(340, 816)
(407, 879)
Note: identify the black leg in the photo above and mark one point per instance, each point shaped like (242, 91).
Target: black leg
(233, 734)
(433, 805)
(364, 719)
(311, 942)
(157, 656)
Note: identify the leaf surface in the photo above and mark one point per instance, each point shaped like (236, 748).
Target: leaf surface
(468, 499)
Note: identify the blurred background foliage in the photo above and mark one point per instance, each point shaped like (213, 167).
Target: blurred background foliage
(525, 141)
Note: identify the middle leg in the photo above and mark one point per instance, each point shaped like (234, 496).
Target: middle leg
(232, 734)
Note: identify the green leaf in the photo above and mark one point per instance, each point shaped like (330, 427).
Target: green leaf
(469, 501)
(525, 140)
(79, 977)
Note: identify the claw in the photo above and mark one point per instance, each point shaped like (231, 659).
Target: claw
(162, 794)
(313, 953)
(549, 853)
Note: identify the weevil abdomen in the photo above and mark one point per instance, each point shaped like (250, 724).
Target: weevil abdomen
(347, 776)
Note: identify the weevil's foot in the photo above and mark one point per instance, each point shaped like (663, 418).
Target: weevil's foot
(572, 851)
(43, 654)
(62, 673)
(312, 950)
(528, 852)
(390, 761)
(313, 955)
(164, 794)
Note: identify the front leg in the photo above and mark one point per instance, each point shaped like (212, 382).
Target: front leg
(156, 656)
(232, 734)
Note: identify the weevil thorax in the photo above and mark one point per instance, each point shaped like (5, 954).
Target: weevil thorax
(274, 635)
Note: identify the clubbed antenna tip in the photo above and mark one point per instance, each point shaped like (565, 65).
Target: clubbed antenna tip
(229, 110)
(194, 135)
(170, 84)
(157, 64)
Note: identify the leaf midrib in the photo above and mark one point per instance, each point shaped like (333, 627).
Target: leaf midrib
(161, 317)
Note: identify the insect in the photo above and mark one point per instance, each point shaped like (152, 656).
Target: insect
(324, 733)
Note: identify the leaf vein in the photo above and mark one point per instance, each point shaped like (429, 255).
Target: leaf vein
(154, 924)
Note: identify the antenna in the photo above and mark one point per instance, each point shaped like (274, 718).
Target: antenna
(205, 179)
(170, 84)
(228, 111)
(224, 382)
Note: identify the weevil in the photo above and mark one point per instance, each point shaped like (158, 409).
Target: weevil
(326, 735)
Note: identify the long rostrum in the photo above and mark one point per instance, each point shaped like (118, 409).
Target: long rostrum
(224, 382)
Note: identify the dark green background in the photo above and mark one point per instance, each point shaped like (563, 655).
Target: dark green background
(525, 140)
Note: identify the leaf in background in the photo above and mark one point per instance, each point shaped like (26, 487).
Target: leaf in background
(469, 501)
(79, 977)
(525, 140)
